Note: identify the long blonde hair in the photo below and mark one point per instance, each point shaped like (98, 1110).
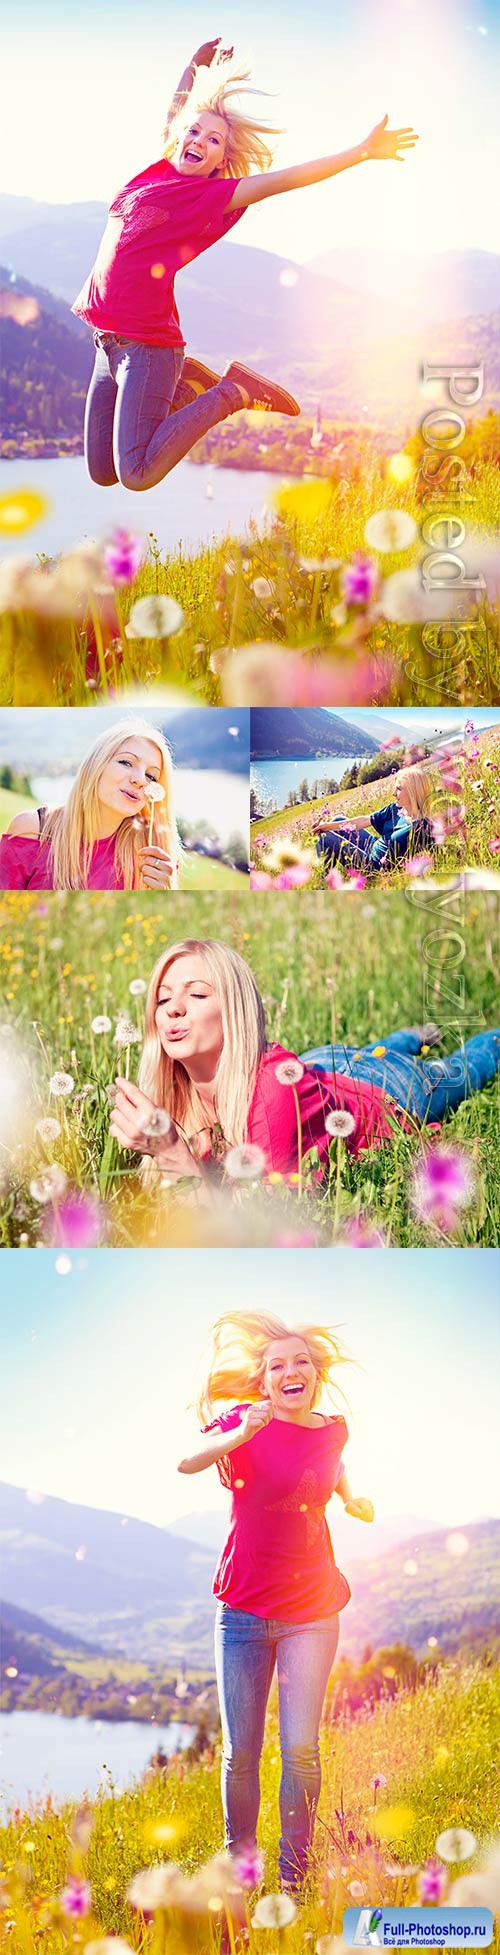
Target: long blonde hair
(73, 830)
(240, 1341)
(421, 785)
(243, 1042)
(213, 91)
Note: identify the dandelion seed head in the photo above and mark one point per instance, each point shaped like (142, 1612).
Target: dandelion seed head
(61, 1085)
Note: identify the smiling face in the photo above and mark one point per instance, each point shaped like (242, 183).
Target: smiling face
(201, 149)
(188, 1016)
(124, 782)
(289, 1379)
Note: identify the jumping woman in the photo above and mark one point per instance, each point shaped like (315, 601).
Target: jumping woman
(146, 405)
(278, 1587)
(400, 829)
(117, 829)
(209, 1081)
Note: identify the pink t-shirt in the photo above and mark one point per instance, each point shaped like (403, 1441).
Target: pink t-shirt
(272, 1119)
(278, 1559)
(157, 224)
(24, 864)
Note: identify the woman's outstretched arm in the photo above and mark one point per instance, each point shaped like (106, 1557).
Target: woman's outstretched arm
(202, 59)
(382, 145)
(214, 1445)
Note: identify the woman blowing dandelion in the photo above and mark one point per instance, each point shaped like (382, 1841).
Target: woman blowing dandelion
(146, 405)
(278, 1587)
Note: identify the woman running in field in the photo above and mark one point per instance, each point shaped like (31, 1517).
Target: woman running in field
(209, 1081)
(400, 829)
(117, 829)
(146, 405)
(278, 1588)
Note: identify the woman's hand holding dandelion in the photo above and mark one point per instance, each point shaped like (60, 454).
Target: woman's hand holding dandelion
(382, 144)
(156, 868)
(138, 1124)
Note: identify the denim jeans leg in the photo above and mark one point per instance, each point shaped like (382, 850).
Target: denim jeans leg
(99, 418)
(453, 1079)
(148, 440)
(244, 1661)
(305, 1655)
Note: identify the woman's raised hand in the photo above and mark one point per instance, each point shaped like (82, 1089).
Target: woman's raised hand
(255, 1417)
(382, 144)
(138, 1124)
(206, 54)
(155, 866)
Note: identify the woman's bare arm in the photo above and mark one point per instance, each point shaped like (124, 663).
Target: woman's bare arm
(215, 1445)
(202, 59)
(381, 145)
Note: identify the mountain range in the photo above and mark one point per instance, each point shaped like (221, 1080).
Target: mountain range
(358, 358)
(129, 1587)
(305, 732)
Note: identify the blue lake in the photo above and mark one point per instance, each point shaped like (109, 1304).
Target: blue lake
(179, 510)
(273, 779)
(69, 1756)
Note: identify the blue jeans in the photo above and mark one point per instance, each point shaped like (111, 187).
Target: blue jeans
(427, 1090)
(247, 1648)
(352, 850)
(130, 435)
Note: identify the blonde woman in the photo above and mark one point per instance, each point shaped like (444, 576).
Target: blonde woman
(211, 1086)
(117, 830)
(278, 1588)
(403, 827)
(146, 407)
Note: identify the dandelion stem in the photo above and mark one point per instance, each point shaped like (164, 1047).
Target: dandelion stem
(99, 647)
(337, 1186)
(299, 1136)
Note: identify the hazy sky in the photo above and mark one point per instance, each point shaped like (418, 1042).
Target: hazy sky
(446, 719)
(85, 108)
(100, 1365)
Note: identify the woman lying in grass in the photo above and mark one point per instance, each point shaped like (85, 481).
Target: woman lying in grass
(278, 1588)
(146, 406)
(401, 828)
(117, 830)
(211, 1087)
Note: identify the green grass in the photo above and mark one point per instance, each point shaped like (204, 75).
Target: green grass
(436, 1747)
(480, 793)
(43, 660)
(12, 804)
(353, 971)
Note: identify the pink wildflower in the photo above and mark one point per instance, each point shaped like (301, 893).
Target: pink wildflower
(259, 879)
(494, 845)
(418, 865)
(432, 1882)
(360, 1235)
(359, 580)
(122, 557)
(78, 1223)
(444, 1183)
(334, 879)
(249, 1866)
(76, 1898)
(293, 878)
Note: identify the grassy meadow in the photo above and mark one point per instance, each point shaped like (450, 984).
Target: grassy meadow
(432, 1751)
(350, 974)
(279, 590)
(465, 848)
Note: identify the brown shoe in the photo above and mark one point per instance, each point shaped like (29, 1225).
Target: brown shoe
(264, 394)
(195, 379)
